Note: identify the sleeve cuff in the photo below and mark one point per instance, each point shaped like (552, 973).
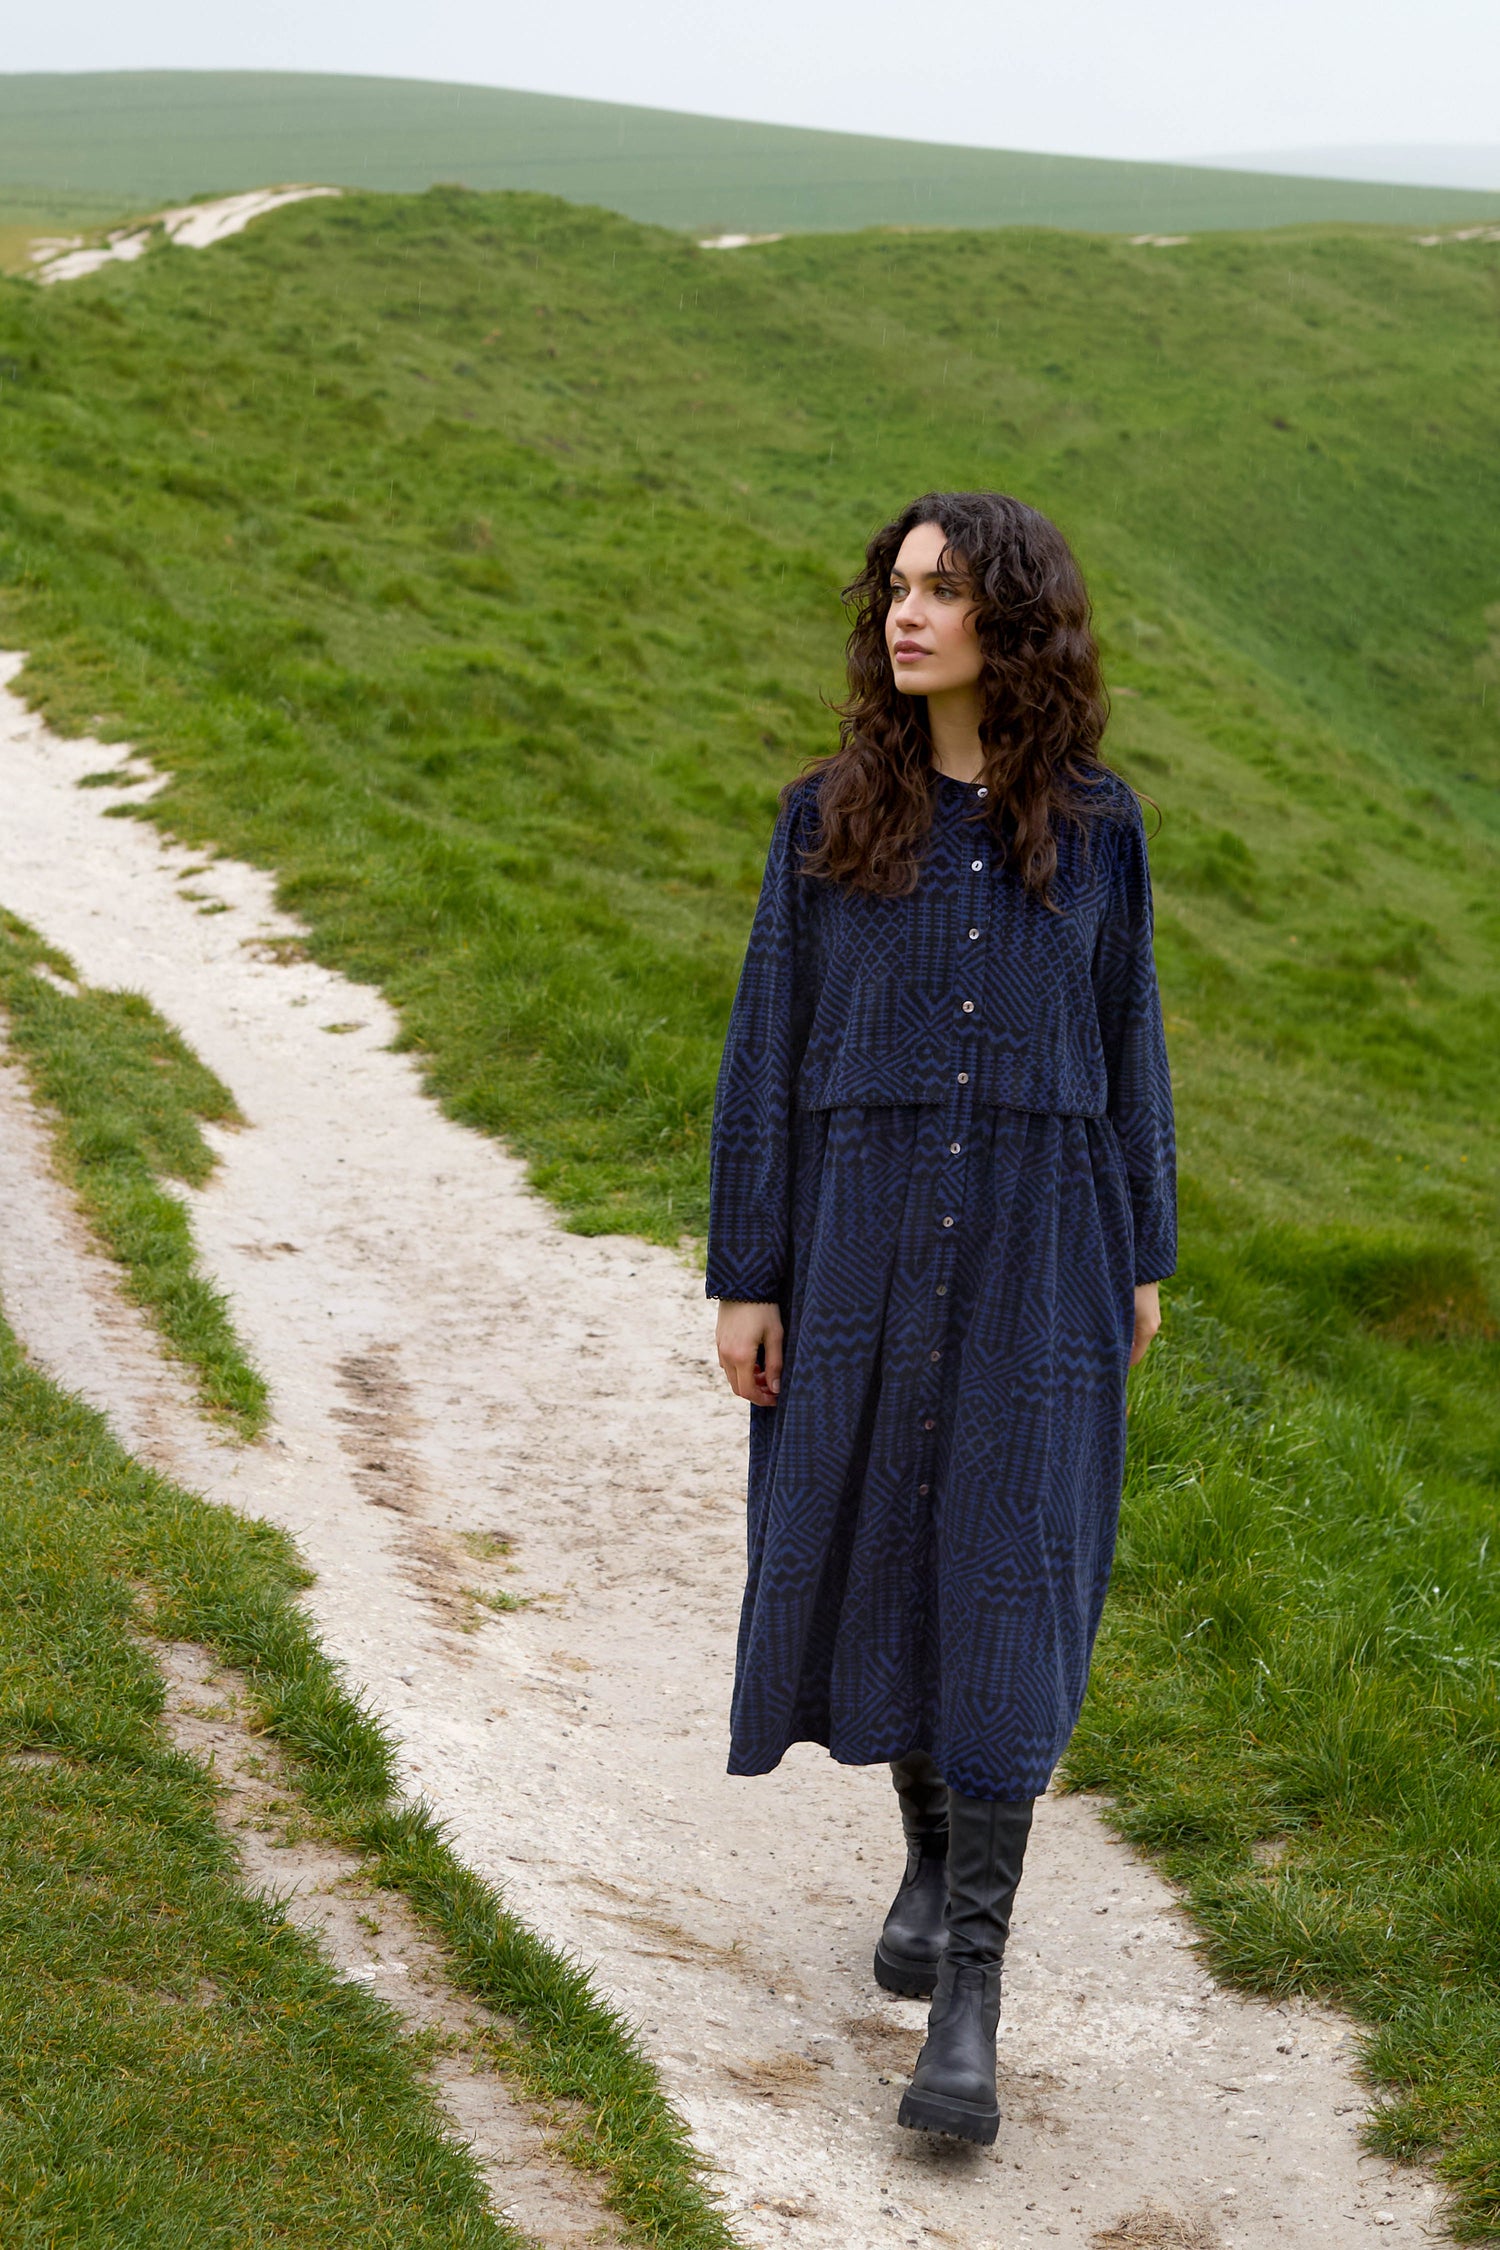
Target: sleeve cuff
(742, 1288)
(1155, 1257)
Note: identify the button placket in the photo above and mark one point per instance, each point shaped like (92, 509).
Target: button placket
(954, 1125)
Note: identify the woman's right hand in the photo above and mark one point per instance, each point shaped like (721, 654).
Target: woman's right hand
(749, 1338)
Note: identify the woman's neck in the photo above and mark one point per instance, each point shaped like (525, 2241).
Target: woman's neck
(953, 724)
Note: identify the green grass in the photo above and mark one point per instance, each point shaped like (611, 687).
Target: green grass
(134, 136)
(177, 2064)
(1296, 1703)
(474, 563)
(126, 1098)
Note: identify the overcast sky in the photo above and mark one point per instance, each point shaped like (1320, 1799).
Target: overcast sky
(1147, 78)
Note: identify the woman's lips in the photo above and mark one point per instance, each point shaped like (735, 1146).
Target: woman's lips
(908, 652)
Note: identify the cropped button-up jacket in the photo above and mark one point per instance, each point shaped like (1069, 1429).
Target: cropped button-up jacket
(853, 1001)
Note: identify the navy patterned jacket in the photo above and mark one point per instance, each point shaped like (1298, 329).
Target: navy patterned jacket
(851, 1001)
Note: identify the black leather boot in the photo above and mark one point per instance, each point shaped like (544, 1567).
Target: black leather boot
(911, 1943)
(953, 2086)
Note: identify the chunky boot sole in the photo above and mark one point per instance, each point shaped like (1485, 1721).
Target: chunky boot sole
(939, 2113)
(914, 1980)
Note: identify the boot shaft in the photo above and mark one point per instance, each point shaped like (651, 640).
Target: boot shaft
(986, 1850)
(923, 1796)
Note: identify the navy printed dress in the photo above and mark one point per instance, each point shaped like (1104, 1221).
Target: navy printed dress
(943, 1145)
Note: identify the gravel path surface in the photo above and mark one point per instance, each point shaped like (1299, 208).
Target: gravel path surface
(469, 1400)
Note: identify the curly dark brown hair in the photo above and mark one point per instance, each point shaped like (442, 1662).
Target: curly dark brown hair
(1045, 705)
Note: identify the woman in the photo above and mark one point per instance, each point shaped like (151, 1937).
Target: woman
(942, 1199)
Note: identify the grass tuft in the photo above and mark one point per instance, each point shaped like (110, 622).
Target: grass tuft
(1410, 1291)
(127, 1096)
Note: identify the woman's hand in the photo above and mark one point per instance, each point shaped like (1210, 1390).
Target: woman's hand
(1147, 1320)
(749, 1342)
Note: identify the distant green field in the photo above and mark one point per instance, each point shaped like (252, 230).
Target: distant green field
(474, 562)
(158, 135)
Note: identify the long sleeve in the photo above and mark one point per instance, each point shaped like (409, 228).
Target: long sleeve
(1135, 1055)
(749, 1168)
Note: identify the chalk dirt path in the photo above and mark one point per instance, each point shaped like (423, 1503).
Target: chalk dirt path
(446, 1364)
(373, 1937)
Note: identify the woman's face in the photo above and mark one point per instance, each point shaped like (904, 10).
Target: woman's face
(929, 628)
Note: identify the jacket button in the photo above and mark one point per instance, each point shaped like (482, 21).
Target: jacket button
(968, 1007)
(973, 933)
(935, 1355)
(977, 865)
(924, 1489)
(963, 1078)
(955, 1148)
(947, 1222)
(929, 1424)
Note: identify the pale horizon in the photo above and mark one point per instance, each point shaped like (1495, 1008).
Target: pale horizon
(1305, 80)
(1455, 164)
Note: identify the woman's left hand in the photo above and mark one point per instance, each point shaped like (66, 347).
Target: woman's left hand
(1147, 1320)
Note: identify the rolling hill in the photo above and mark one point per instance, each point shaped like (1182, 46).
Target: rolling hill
(383, 483)
(88, 144)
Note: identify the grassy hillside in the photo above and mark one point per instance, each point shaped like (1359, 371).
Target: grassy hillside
(475, 562)
(167, 135)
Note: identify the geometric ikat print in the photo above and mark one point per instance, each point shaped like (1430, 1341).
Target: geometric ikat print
(943, 1144)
